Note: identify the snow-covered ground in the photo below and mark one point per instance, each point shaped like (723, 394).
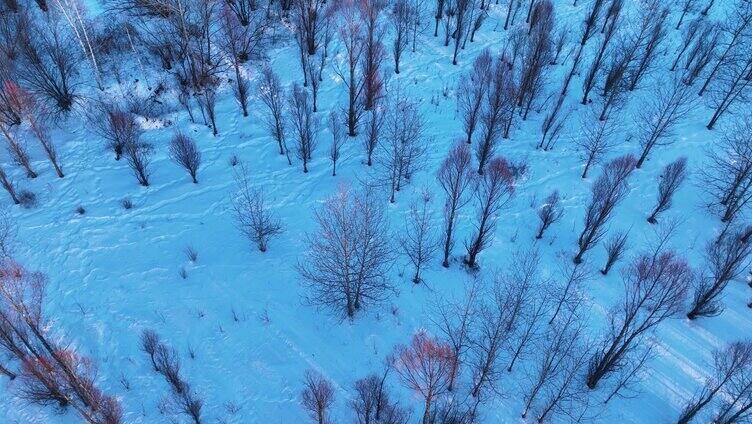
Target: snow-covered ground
(115, 272)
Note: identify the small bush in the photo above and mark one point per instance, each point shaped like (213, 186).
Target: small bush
(233, 161)
(126, 203)
(183, 273)
(80, 210)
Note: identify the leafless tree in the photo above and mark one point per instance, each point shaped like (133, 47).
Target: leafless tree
(615, 84)
(615, 247)
(351, 35)
(456, 179)
(317, 397)
(498, 321)
(454, 318)
(561, 358)
(184, 152)
(307, 17)
(733, 86)
(735, 32)
(347, 260)
(272, 95)
(252, 214)
(242, 32)
(500, 102)
(335, 150)
(607, 192)
(728, 173)
(17, 150)
(373, 132)
(404, 143)
(690, 36)
(401, 20)
(549, 212)
(374, 51)
(25, 107)
(553, 124)
(304, 123)
(494, 190)
(532, 321)
(728, 364)
(51, 61)
(672, 177)
(372, 403)
(536, 57)
(737, 403)
(8, 185)
(138, 154)
(418, 241)
(471, 92)
(115, 125)
(609, 29)
(8, 229)
(701, 52)
(658, 116)
(687, 7)
(596, 142)
(654, 25)
(589, 28)
(424, 366)
(566, 295)
(655, 286)
(49, 373)
(726, 258)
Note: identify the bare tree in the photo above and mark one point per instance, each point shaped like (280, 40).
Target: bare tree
(687, 7)
(494, 190)
(456, 178)
(347, 261)
(672, 177)
(560, 350)
(728, 174)
(731, 88)
(351, 39)
(609, 29)
(26, 108)
(252, 214)
(618, 67)
(500, 102)
(404, 144)
(608, 191)
(567, 295)
(17, 150)
(728, 364)
(184, 152)
(51, 62)
(307, 16)
(117, 126)
(690, 36)
(8, 185)
(589, 28)
(615, 247)
(335, 128)
(655, 286)
(726, 258)
(596, 142)
(654, 25)
(272, 95)
(138, 155)
(549, 212)
(455, 318)
(735, 32)
(424, 366)
(50, 374)
(374, 51)
(317, 397)
(418, 241)
(536, 57)
(305, 124)
(737, 403)
(401, 19)
(701, 52)
(372, 402)
(659, 115)
(374, 123)
(498, 321)
(471, 92)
